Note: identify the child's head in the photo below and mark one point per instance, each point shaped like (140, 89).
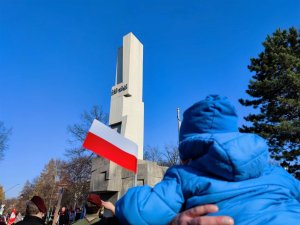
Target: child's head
(214, 114)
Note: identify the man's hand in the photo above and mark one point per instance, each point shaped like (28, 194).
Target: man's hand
(109, 205)
(196, 216)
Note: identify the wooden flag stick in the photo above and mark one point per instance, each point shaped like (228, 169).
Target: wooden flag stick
(58, 206)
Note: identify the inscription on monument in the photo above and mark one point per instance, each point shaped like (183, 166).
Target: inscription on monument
(119, 89)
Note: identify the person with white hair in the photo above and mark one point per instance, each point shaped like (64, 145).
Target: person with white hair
(35, 212)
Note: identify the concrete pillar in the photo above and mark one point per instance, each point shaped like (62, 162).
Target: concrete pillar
(127, 106)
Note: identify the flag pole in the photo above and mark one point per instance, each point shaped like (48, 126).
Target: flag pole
(178, 121)
(135, 180)
(58, 206)
(135, 175)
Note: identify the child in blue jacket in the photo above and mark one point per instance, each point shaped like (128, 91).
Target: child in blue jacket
(223, 167)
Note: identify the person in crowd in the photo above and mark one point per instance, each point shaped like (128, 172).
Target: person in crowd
(63, 217)
(3, 219)
(2, 209)
(6, 217)
(78, 213)
(50, 215)
(71, 215)
(35, 212)
(19, 217)
(83, 212)
(94, 212)
(220, 166)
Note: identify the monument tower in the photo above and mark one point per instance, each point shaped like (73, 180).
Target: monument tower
(127, 117)
(127, 106)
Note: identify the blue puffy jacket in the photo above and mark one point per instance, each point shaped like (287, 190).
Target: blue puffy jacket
(227, 168)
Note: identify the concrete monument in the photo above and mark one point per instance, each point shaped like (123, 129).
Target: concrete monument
(126, 117)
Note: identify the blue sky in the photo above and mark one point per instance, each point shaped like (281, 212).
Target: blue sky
(57, 59)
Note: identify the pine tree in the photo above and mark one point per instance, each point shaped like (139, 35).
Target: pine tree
(4, 136)
(275, 93)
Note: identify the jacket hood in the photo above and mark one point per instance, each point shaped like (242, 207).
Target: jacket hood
(214, 114)
(229, 156)
(209, 137)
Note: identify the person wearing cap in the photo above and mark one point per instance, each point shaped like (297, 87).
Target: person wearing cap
(94, 212)
(35, 212)
(220, 166)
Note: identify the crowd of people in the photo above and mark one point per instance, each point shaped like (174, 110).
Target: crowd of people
(36, 214)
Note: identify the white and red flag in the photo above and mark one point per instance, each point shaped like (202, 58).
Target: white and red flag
(109, 144)
(12, 217)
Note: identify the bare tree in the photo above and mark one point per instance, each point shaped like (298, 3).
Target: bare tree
(78, 131)
(168, 157)
(171, 155)
(79, 162)
(153, 154)
(26, 194)
(79, 176)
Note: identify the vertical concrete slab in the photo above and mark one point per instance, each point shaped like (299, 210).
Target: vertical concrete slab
(127, 106)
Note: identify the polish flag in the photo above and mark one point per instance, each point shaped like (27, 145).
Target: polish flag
(12, 217)
(109, 144)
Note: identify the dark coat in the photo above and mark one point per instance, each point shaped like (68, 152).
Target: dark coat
(64, 218)
(108, 221)
(31, 220)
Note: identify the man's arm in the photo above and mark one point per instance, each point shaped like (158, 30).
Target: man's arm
(196, 216)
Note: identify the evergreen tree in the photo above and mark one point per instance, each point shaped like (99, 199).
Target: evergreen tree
(46, 185)
(4, 135)
(275, 92)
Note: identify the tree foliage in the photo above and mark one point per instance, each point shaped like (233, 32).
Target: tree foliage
(275, 94)
(10, 204)
(51, 179)
(2, 194)
(4, 135)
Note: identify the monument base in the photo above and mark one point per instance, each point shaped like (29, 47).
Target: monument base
(112, 181)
